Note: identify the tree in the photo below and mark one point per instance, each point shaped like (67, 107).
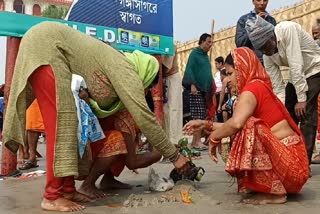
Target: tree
(56, 12)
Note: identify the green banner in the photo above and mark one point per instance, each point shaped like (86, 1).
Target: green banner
(16, 25)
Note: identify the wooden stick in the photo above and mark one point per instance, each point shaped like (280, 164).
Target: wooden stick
(212, 37)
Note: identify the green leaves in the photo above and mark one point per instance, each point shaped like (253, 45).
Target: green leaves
(56, 12)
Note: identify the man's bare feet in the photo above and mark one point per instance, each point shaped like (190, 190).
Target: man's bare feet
(20, 163)
(77, 197)
(92, 191)
(61, 205)
(264, 198)
(26, 156)
(108, 182)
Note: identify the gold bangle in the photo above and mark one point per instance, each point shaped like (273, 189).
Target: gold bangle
(214, 141)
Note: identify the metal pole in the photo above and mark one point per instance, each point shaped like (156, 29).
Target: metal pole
(9, 159)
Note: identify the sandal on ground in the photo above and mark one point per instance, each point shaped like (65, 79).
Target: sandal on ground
(206, 142)
(316, 159)
(28, 165)
(14, 174)
(20, 163)
(202, 148)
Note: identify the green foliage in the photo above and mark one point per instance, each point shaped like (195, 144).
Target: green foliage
(56, 12)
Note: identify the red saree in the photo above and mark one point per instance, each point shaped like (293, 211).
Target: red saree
(263, 163)
(259, 160)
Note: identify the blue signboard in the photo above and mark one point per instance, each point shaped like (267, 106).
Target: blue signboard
(141, 24)
(16, 25)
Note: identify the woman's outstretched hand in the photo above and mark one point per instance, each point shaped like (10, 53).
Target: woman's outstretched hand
(213, 151)
(213, 146)
(194, 126)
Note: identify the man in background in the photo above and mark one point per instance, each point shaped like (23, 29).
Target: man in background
(221, 91)
(316, 31)
(198, 85)
(242, 39)
(316, 37)
(173, 104)
(288, 44)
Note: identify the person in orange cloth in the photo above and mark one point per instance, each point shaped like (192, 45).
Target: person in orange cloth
(34, 128)
(109, 156)
(44, 67)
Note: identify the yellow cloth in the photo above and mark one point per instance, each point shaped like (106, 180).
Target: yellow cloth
(146, 67)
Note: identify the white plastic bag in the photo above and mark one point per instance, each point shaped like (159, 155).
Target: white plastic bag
(159, 183)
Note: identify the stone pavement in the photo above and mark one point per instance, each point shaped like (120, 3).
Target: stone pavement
(218, 194)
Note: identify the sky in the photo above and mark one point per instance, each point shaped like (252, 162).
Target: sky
(191, 18)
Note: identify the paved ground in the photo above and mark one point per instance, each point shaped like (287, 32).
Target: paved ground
(216, 193)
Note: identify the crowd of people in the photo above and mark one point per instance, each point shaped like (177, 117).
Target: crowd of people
(269, 124)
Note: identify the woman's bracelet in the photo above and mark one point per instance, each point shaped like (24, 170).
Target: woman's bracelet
(175, 157)
(209, 125)
(212, 141)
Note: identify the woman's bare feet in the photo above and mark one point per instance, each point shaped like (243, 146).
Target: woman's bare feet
(109, 182)
(245, 190)
(77, 197)
(264, 198)
(92, 191)
(61, 205)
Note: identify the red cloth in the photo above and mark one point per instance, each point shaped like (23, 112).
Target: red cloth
(43, 83)
(249, 69)
(113, 145)
(212, 103)
(262, 163)
(267, 108)
(259, 160)
(115, 125)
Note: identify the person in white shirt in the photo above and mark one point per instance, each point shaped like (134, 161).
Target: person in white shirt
(287, 44)
(219, 62)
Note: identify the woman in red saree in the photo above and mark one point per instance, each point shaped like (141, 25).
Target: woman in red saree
(268, 155)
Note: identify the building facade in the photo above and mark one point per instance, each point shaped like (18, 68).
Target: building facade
(30, 7)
